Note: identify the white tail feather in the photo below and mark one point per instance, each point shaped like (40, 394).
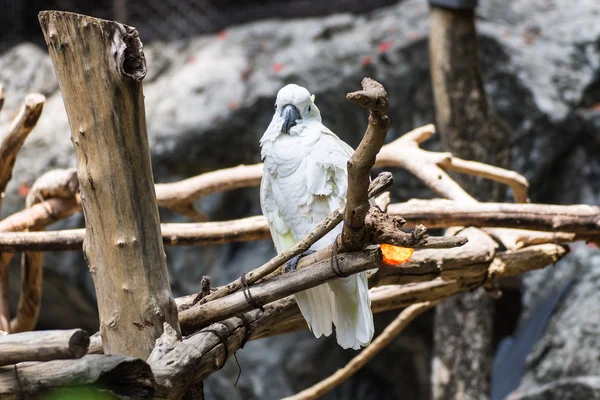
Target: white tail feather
(346, 304)
(352, 311)
(315, 305)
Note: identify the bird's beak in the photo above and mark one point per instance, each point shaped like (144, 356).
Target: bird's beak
(290, 114)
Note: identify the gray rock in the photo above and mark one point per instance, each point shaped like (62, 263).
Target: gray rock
(209, 99)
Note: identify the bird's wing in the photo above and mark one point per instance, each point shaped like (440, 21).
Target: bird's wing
(280, 232)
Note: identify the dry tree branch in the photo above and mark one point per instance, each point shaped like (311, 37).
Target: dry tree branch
(374, 98)
(580, 219)
(530, 216)
(18, 131)
(43, 346)
(12, 142)
(392, 331)
(186, 192)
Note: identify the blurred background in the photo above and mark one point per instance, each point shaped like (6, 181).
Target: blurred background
(214, 68)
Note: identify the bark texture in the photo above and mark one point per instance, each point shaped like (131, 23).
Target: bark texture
(100, 66)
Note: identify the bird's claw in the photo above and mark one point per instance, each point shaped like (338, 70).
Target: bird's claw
(293, 263)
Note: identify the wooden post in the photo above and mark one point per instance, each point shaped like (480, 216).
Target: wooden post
(100, 66)
(469, 129)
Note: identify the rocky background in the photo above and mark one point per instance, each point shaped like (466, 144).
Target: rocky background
(209, 99)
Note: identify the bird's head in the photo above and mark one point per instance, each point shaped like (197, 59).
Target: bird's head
(294, 105)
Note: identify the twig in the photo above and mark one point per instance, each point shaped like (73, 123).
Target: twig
(383, 181)
(392, 331)
(43, 346)
(374, 98)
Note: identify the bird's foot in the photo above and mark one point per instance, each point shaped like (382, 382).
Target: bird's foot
(293, 263)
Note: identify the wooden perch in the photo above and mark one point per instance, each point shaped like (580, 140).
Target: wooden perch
(277, 288)
(87, 377)
(391, 332)
(43, 346)
(373, 97)
(100, 66)
(178, 364)
(390, 297)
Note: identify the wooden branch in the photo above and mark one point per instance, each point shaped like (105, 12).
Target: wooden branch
(392, 331)
(383, 181)
(43, 346)
(187, 191)
(18, 131)
(177, 364)
(581, 219)
(88, 377)
(122, 243)
(518, 184)
(374, 98)
(391, 296)
(200, 315)
(46, 213)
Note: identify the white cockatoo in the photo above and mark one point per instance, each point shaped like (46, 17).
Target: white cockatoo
(304, 181)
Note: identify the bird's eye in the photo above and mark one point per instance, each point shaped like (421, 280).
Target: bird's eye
(276, 106)
(309, 108)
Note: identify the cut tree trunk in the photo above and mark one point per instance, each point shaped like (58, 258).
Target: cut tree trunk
(100, 66)
(43, 346)
(91, 377)
(469, 129)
